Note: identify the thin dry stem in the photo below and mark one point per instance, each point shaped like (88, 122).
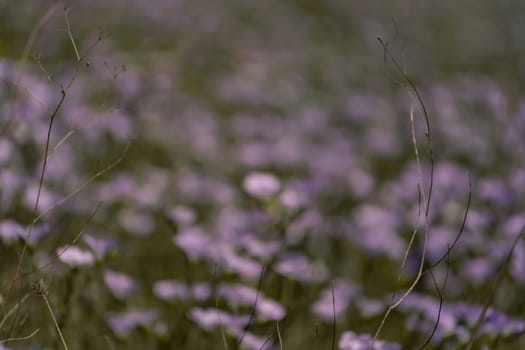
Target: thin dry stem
(252, 314)
(21, 338)
(70, 34)
(492, 292)
(428, 198)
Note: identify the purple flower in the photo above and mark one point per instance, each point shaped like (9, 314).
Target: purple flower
(261, 184)
(242, 295)
(6, 150)
(252, 342)
(245, 267)
(210, 318)
(292, 199)
(47, 198)
(182, 215)
(170, 290)
(513, 225)
(297, 266)
(477, 270)
(194, 242)
(342, 293)
(11, 230)
(120, 284)
(258, 248)
(136, 222)
(370, 307)
(124, 323)
(201, 291)
(268, 309)
(75, 257)
(457, 319)
(100, 246)
(352, 341)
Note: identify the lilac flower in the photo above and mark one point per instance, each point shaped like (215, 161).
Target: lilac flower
(182, 215)
(370, 307)
(268, 309)
(342, 293)
(201, 291)
(376, 228)
(457, 319)
(513, 225)
(11, 230)
(245, 267)
(252, 342)
(496, 191)
(292, 199)
(100, 246)
(303, 225)
(170, 290)
(258, 248)
(46, 201)
(124, 323)
(297, 266)
(360, 182)
(120, 284)
(351, 341)
(261, 184)
(237, 294)
(10, 183)
(75, 257)
(242, 295)
(210, 318)
(3, 347)
(117, 188)
(6, 150)
(439, 239)
(194, 242)
(135, 222)
(149, 194)
(477, 270)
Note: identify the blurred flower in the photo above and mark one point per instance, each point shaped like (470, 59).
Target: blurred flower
(258, 248)
(252, 342)
(241, 295)
(170, 290)
(11, 230)
(352, 341)
(120, 284)
(6, 150)
(136, 222)
(477, 270)
(297, 266)
(261, 184)
(457, 319)
(201, 291)
(292, 199)
(245, 267)
(124, 323)
(47, 198)
(182, 215)
(194, 242)
(268, 309)
(370, 307)
(100, 246)
(74, 256)
(343, 291)
(210, 318)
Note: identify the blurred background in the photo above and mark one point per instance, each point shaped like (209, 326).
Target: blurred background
(207, 156)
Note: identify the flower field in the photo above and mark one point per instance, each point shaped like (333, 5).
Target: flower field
(262, 175)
